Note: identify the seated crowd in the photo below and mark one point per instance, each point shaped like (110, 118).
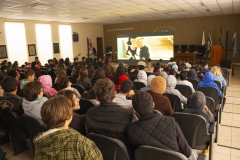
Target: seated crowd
(120, 110)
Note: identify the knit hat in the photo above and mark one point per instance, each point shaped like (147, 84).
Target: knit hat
(158, 85)
(142, 103)
(163, 74)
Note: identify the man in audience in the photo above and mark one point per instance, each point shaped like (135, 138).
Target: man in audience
(29, 76)
(205, 67)
(182, 79)
(108, 119)
(142, 62)
(11, 100)
(15, 75)
(33, 99)
(155, 129)
(60, 142)
(125, 92)
(75, 63)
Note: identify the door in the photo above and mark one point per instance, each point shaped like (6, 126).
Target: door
(100, 47)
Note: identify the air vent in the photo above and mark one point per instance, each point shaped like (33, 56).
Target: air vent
(40, 6)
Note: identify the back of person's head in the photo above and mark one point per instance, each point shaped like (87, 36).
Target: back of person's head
(89, 94)
(69, 95)
(46, 81)
(61, 73)
(107, 70)
(13, 73)
(160, 60)
(9, 84)
(75, 59)
(171, 59)
(183, 65)
(205, 64)
(158, 85)
(4, 69)
(91, 71)
(171, 82)
(56, 111)
(63, 83)
(99, 74)
(142, 103)
(83, 58)
(83, 74)
(186, 60)
(141, 67)
(104, 90)
(126, 86)
(197, 101)
(28, 73)
(163, 74)
(31, 90)
(216, 71)
(183, 75)
(172, 71)
(34, 64)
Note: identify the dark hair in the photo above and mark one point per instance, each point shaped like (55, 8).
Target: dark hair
(9, 84)
(99, 74)
(172, 71)
(63, 83)
(104, 90)
(112, 71)
(160, 60)
(31, 90)
(91, 71)
(28, 73)
(120, 71)
(67, 61)
(56, 111)
(204, 64)
(186, 60)
(83, 75)
(13, 73)
(107, 70)
(83, 58)
(157, 67)
(183, 65)
(15, 66)
(126, 86)
(89, 94)
(69, 95)
(183, 75)
(61, 63)
(61, 73)
(149, 60)
(171, 59)
(49, 60)
(142, 103)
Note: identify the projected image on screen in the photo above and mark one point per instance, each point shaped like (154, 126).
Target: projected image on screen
(155, 45)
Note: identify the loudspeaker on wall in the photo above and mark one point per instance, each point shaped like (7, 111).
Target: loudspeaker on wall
(75, 37)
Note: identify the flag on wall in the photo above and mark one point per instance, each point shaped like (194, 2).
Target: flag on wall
(234, 44)
(220, 36)
(203, 38)
(209, 44)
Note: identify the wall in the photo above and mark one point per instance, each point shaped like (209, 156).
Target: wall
(186, 30)
(84, 31)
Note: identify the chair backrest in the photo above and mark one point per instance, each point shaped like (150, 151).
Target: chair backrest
(185, 90)
(96, 67)
(153, 153)
(218, 83)
(194, 82)
(138, 85)
(85, 105)
(53, 75)
(176, 48)
(175, 102)
(193, 127)
(201, 49)
(133, 77)
(73, 80)
(192, 48)
(79, 88)
(43, 72)
(210, 92)
(184, 48)
(21, 76)
(211, 105)
(68, 71)
(111, 148)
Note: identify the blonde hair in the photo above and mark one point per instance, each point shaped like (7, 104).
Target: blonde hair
(216, 71)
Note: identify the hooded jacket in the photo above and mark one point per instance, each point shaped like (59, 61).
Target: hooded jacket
(208, 81)
(65, 144)
(46, 81)
(171, 84)
(33, 108)
(149, 79)
(142, 77)
(196, 104)
(192, 74)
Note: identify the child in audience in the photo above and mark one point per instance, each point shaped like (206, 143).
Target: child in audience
(33, 99)
(46, 81)
(61, 73)
(29, 76)
(65, 84)
(83, 78)
(60, 142)
(149, 79)
(205, 67)
(216, 71)
(182, 79)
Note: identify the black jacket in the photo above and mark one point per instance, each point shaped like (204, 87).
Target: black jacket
(12, 102)
(158, 131)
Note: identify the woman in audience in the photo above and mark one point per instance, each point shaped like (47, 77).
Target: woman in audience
(192, 75)
(61, 73)
(67, 62)
(61, 63)
(171, 84)
(197, 105)
(91, 71)
(83, 78)
(216, 71)
(107, 70)
(100, 74)
(65, 84)
(46, 81)
(121, 75)
(78, 121)
(90, 95)
(149, 79)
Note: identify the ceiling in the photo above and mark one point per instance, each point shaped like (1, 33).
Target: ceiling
(114, 11)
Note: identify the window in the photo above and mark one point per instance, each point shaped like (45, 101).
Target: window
(16, 42)
(65, 34)
(44, 42)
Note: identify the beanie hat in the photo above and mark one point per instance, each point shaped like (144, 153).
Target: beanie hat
(163, 74)
(158, 85)
(142, 103)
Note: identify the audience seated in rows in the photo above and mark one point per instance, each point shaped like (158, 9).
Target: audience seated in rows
(10, 100)
(157, 89)
(29, 76)
(46, 81)
(197, 105)
(65, 84)
(216, 71)
(182, 80)
(192, 74)
(208, 81)
(149, 79)
(33, 99)
(161, 131)
(78, 121)
(83, 79)
(90, 95)
(60, 142)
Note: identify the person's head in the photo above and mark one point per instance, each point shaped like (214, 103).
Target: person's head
(107, 70)
(61, 62)
(142, 103)
(197, 68)
(216, 71)
(1, 91)
(50, 61)
(15, 67)
(149, 60)
(32, 91)
(15, 62)
(57, 112)
(35, 64)
(70, 95)
(89, 94)
(126, 86)
(173, 72)
(75, 59)
(4, 69)
(143, 59)
(183, 65)
(91, 71)
(171, 59)
(14, 74)
(9, 84)
(142, 76)
(208, 77)
(46, 81)
(104, 90)
(36, 59)
(83, 74)
(205, 65)
(183, 75)
(186, 60)
(149, 79)
(158, 67)
(191, 74)
(197, 101)
(158, 85)
(120, 71)
(160, 60)
(61, 73)
(64, 82)
(163, 74)
(171, 82)
(29, 75)
(99, 74)
(67, 61)
(141, 67)
(83, 58)
(99, 59)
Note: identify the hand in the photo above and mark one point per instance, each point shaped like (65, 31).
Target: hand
(131, 93)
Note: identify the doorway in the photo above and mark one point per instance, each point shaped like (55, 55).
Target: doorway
(100, 47)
